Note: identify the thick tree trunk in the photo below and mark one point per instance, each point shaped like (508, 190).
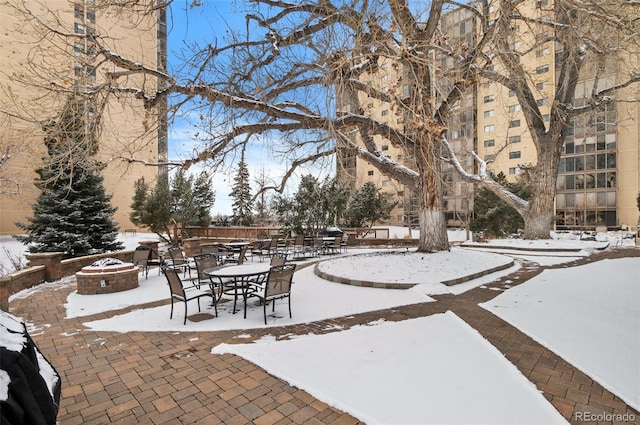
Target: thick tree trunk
(433, 226)
(539, 215)
(433, 230)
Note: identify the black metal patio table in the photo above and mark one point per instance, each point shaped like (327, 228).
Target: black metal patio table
(237, 280)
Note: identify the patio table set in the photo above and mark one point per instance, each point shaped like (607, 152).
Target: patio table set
(216, 275)
(220, 270)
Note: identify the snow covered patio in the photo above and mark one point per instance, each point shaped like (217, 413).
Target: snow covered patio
(430, 354)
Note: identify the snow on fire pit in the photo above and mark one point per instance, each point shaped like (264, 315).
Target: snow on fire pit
(106, 276)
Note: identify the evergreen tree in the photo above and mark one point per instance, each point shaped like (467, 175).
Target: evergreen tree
(72, 214)
(367, 206)
(241, 195)
(492, 215)
(174, 205)
(313, 207)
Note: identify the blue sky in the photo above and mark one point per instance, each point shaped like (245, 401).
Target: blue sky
(205, 23)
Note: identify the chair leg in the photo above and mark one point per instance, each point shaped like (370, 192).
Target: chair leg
(171, 315)
(185, 313)
(264, 310)
(289, 297)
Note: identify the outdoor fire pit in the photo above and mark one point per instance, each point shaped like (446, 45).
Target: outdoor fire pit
(106, 276)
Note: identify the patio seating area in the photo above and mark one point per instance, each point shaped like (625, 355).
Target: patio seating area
(114, 377)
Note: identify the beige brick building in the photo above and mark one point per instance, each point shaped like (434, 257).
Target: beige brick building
(599, 177)
(33, 62)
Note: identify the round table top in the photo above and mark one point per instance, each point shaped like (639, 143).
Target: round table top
(236, 243)
(238, 271)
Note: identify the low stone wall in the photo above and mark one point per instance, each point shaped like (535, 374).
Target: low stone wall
(48, 267)
(72, 265)
(15, 282)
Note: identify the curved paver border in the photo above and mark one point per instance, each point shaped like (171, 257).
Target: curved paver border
(527, 248)
(388, 285)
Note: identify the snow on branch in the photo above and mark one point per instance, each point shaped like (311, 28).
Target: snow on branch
(483, 178)
(381, 161)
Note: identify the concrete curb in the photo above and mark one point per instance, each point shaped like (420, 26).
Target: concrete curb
(369, 284)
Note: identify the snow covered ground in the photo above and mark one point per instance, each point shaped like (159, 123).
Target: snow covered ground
(418, 371)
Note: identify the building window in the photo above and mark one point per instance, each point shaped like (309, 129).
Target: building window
(514, 108)
(514, 139)
(78, 12)
(542, 69)
(514, 123)
(514, 155)
(78, 28)
(384, 113)
(489, 143)
(489, 158)
(400, 193)
(385, 147)
(545, 118)
(489, 98)
(370, 173)
(489, 113)
(514, 170)
(78, 49)
(385, 182)
(489, 128)
(511, 93)
(542, 52)
(91, 16)
(543, 101)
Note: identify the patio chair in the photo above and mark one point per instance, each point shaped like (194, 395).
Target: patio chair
(344, 242)
(276, 286)
(180, 261)
(333, 247)
(265, 249)
(209, 248)
(141, 257)
(278, 259)
(318, 246)
(204, 262)
(184, 293)
(239, 259)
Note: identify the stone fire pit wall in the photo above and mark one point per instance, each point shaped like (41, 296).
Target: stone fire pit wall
(107, 276)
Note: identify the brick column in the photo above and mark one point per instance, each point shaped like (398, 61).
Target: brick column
(52, 262)
(191, 246)
(5, 291)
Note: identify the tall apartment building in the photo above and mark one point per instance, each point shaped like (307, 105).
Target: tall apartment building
(127, 129)
(599, 175)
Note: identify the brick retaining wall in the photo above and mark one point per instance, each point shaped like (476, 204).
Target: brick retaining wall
(48, 267)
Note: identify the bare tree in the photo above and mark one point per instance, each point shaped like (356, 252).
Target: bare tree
(299, 76)
(597, 61)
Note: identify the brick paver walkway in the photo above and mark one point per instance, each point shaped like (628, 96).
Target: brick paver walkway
(172, 378)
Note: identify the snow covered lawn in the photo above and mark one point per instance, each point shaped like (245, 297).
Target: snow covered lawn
(431, 370)
(588, 315)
